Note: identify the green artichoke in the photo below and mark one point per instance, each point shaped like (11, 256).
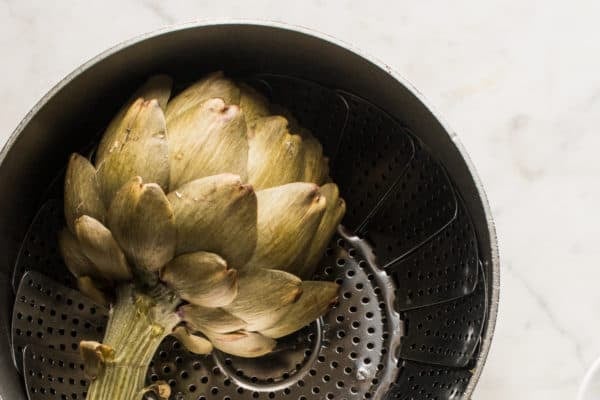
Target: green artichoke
(200, 217)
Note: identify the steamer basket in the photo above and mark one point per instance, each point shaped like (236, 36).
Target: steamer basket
(416, 254)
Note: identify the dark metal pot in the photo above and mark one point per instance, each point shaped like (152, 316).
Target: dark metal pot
(418, 228)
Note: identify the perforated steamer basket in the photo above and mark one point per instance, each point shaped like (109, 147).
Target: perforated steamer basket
(416, 255)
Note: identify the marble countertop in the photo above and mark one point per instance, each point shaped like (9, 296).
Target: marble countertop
(518, 80)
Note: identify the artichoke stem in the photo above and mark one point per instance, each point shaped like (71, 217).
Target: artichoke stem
(137, 325)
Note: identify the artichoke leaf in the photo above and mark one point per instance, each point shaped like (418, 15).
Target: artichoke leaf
(317, 297)
(202, 278)
(200, 318)
(316, 167)
(77, 263)
(275, 156)
(82, 192)
(207, 140)
(242, 343)
(142, 221)
(253, 104)
(216, 214)
(94, 356)
(287, 219)
(156, 87)
(336, 208)
(100, 247)
(139, 148)
(194, 343)
(88, 287)
(212, 86)
(263, 295)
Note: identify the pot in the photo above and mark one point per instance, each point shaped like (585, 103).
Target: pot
(417, 250)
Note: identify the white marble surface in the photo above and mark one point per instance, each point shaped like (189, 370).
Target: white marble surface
(519, 81)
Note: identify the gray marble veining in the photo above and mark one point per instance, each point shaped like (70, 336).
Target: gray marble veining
(518, 81)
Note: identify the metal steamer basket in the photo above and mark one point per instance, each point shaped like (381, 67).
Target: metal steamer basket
(416, 254)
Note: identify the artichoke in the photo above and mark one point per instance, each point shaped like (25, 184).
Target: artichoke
(201, 217)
